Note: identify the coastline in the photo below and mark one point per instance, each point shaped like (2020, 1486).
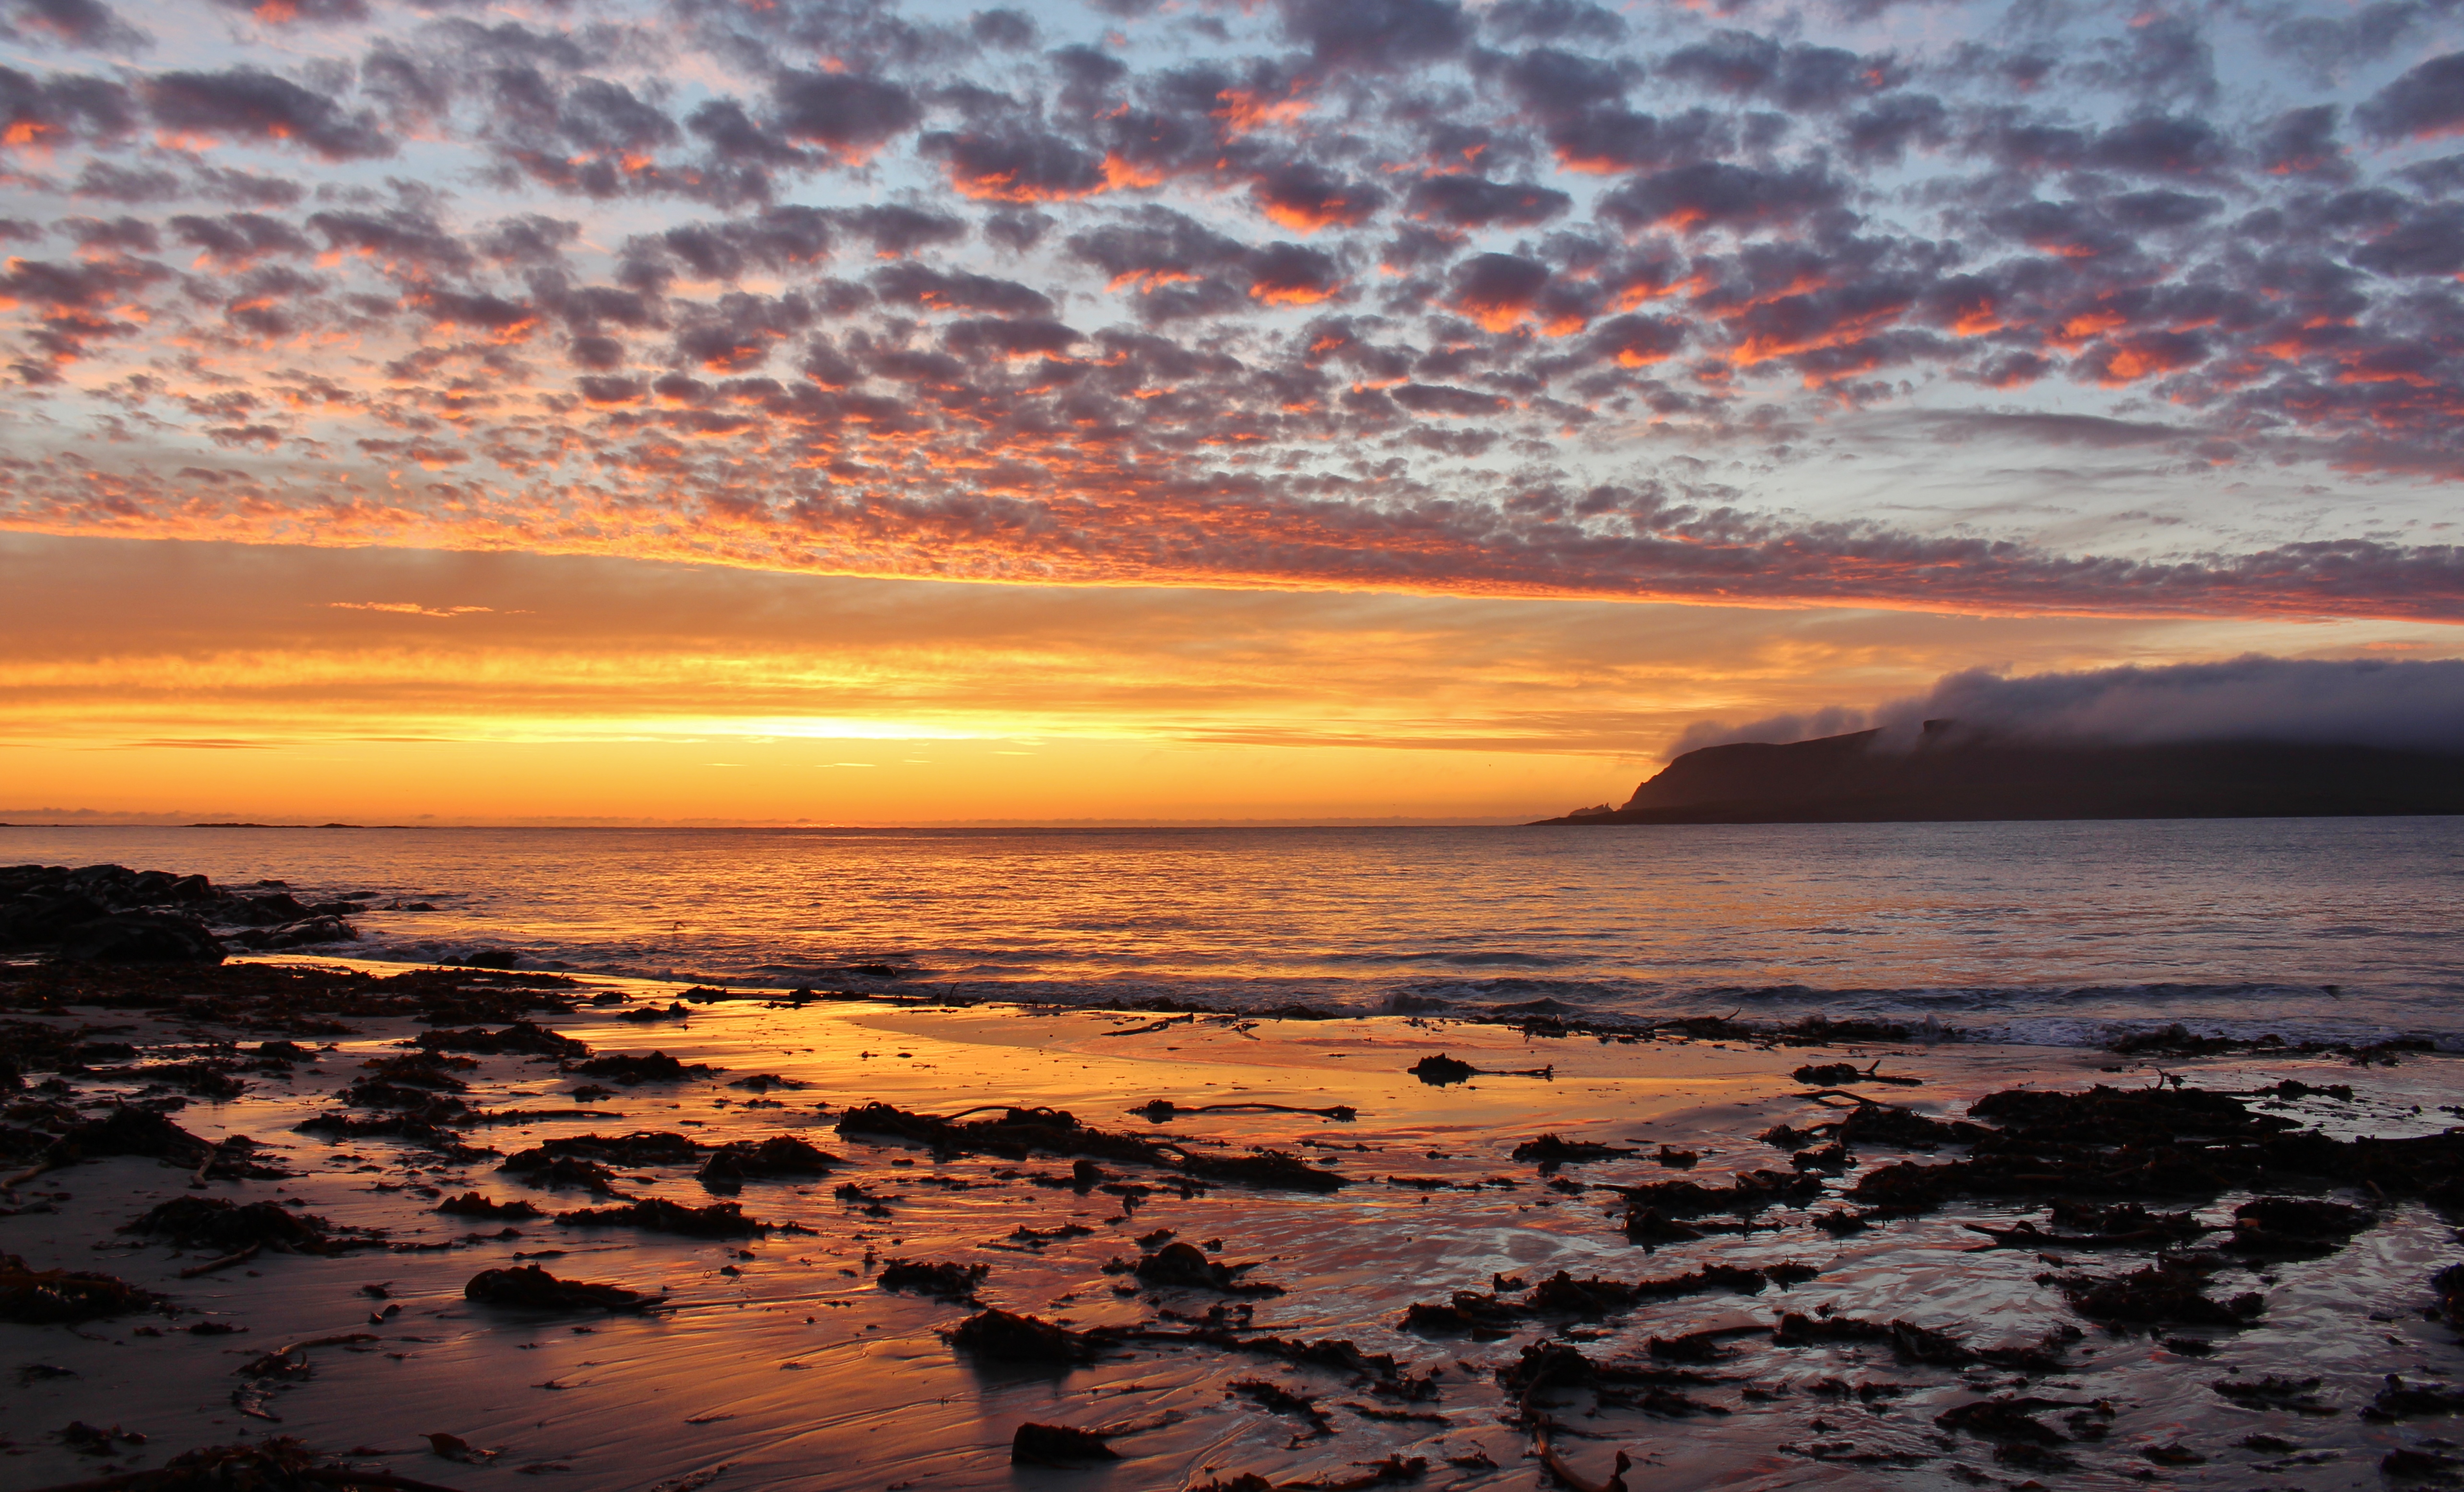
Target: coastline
(800, 1371)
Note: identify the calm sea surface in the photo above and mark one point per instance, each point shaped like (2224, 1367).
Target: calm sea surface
(2028, 931)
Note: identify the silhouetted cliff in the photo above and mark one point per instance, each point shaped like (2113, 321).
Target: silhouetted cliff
(1952, 773)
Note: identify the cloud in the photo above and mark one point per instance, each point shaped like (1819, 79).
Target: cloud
(2415, 706)
(2425, 103)
(408, 608)
(1301, 295)
(246, 104)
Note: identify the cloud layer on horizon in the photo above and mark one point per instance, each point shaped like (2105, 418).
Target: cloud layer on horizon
(1525, 298)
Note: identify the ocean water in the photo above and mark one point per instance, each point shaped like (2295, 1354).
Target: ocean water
(2036, 932)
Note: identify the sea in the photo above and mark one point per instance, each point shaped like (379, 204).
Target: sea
(2059, 933)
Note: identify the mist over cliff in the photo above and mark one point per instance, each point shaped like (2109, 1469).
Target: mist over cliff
(2416, 705)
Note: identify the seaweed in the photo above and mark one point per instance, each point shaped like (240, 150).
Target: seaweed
(1270, 1170)
(1163, 1111)
(718, 1221)
(2008, 1420)
(1832, 1074)
(217, 1224)
(470, 1204)
(642, 1148)
(46, 1297)
(942, 1281)
(2298, 1394)
(2286, 1227)
(1552, 1153)
(1278, 1399)
(730, 1165)
(2168, 1291)
(1649, 1225)
(570, 1171)
(1484, 1318)
(532, 1288)
(634, 1067)
(2399, 1400)
(525, 1038)
(1744, 1195)
(417, 1131)
(1440, 1070)
(1913, 1344)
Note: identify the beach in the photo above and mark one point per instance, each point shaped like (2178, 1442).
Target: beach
(782, 1358)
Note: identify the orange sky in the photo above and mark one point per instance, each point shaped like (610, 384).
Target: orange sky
(199, 680)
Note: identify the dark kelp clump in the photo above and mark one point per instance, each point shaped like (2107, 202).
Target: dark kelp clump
(1019, 1134)
(472, 1204)
(525, 1038)
(941, 1281)
(224, 1227)
(47, 1297)
(633, 1152)
(2167, 1140)
(718, 1221)
(631, 1068)
(1549, 1152)
(532, 1288)
(739, 1161)
(2170, 1291)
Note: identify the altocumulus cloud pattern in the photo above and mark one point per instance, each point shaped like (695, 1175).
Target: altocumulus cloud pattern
(1526, 298)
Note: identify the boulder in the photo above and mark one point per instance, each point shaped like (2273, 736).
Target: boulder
(141, 937)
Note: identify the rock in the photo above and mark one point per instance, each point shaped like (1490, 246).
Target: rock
(1183, 1265)
(1057, 1445)
(308, 933)
(141, 937)
(1008, 1337)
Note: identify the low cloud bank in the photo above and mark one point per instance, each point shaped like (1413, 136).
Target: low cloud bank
(2342, 702)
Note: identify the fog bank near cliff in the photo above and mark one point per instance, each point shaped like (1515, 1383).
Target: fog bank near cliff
(2361, 702)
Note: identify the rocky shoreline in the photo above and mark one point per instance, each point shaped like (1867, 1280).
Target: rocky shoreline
(111, 914)
(1219, 1250)
(1342, 1253)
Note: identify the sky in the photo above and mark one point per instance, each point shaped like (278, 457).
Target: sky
(772, 411)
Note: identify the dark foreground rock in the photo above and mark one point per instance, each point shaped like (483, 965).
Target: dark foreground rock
(113, 916)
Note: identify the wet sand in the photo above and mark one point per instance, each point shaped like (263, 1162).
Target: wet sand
(779, 1361)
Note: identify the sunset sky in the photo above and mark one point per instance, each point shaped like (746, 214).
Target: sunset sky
(766, 410)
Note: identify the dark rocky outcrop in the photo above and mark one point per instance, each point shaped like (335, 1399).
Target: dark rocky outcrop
(1950, 773)
(110, 915)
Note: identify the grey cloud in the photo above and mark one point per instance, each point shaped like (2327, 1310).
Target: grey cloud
(2403, 705)
(2425, 102)
(248, 105)
(78, 23)
(2326, 702)
(1376, 35)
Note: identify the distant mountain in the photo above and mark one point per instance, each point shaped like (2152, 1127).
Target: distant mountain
(1952, 773)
